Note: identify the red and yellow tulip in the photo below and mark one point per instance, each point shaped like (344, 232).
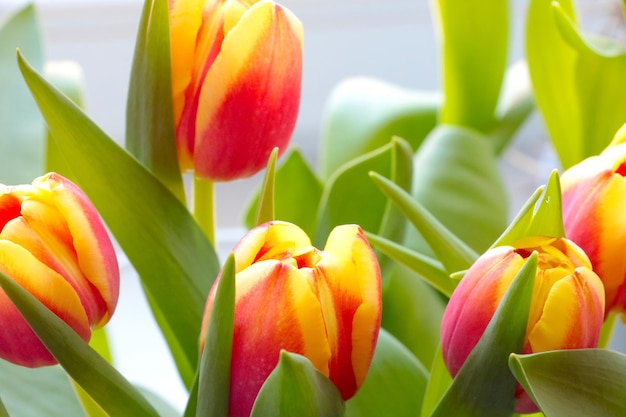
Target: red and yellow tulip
(325, 305)
(54, 244)
(566, 311)
(236, 74)
(594, 207)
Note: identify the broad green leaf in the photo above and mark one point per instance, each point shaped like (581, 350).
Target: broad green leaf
(474, 42)
(394, 385)
(296, 388)
(602, 106)
(101, 381)
(438, 384)
(574, 383)
(298, 192)
(28, 392)
(362, 114)
(265, 208)
(150, 134)
(450, 250)
(428, 268)
(67, 77)
(175, 261)
(412, 312)
(21, 127)
(457, 179)
(484, 386)
(351, 197)
(551, 64)
(540, 216)
(214, 376)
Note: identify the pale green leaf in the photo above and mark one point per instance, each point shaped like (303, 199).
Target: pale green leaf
(21, 127)
(296, 388)
(362, 114)
(394, 385)
(438, 384)
(474, 42)
(574, 383)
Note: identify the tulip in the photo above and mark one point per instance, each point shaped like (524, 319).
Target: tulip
(53, 243)
(325, 305)
(594, 202)
(566, 310)
(236, 75)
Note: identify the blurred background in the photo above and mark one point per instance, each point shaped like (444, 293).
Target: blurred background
(393, 40)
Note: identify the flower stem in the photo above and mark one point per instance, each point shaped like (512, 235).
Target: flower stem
(204, 207)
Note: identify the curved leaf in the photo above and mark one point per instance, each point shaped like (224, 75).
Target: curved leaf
(362, 114)
(351, 197)
(265, 208)
(574, 383)
(175, 261)
(296, 388)
(394, 385)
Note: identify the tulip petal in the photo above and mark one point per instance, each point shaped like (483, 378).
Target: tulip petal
(94, 250)
(349, 287)
(275, 309)
(255, 78)
(18, 343)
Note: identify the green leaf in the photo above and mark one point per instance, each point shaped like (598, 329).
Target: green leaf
(3, 410)
(428, 268)
(351, 197)
(457, 179)
(474, 38)
(214, 381)
(298, 192)
(363, 114)
(551, 64)
(296, 388)
(450, 250)
(394, 385)
(412, 312)
(265, 208)
(574, 383)
(100, 380)
(28, 392)
(21, 128)
(540, 216)
(175, 261)
(438, 384)
(484, 387)
(150, 132)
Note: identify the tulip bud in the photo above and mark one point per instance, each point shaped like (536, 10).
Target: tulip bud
(566, 310)
(236, 74)
(594, 203)
(53, 243)
(325, 305)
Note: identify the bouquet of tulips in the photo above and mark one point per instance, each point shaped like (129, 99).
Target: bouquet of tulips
(392, 281)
